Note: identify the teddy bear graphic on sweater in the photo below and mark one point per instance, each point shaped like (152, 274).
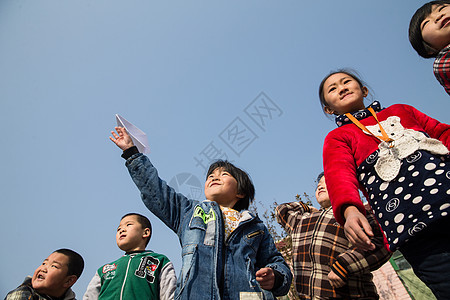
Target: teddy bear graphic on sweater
(405, 142)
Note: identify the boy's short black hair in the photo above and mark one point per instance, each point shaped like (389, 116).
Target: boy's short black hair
(144, 221)
(415, 31)
(76, 262)
(244, 183)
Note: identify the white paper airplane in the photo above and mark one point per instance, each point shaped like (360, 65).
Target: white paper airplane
(138, 136)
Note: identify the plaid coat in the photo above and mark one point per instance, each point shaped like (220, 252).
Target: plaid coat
(441, 68)
(319, 245)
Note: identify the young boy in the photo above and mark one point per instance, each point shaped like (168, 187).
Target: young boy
(53, 279)
(227, 252)
(139, 274)
(429, 34)
(326, 265)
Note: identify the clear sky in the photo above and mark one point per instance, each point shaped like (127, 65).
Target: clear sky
(235, 79)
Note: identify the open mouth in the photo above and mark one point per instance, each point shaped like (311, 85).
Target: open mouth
(445, 22)
(40, 277)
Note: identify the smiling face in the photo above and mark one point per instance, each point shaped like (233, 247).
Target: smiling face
(222, 188)
(436, 27)
(322, 196)
(343, 94)
(130, 235)
(51, 278)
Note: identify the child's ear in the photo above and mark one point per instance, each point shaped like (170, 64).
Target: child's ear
(70, 280)
(328, 110)
(240, 196)
(146, 233)
(365, 91)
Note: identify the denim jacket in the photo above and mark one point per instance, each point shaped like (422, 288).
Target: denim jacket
(211, 267)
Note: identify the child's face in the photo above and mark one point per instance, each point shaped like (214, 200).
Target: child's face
(222, 188)
(322, 194)
(436, 27)
(51, 278)
(343, 94)
(130, 235)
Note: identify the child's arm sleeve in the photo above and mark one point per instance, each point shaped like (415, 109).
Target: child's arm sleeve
(268, 256)
(432, 127)
(93, 289)
(356, 261)
(167, 282)
(340, 173)
(161, 199)
(288, 214)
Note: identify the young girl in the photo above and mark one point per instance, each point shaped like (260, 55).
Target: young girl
(399, 158)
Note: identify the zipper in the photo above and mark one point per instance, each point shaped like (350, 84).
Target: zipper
(125, 279)
(316, 225)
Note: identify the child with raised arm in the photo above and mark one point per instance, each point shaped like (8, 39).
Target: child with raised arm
(429, 34)
(53, 279)
(326, 265)
(227, 252)
(398, 156)
(139, 273)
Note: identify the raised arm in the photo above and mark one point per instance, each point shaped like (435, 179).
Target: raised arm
(288, 214)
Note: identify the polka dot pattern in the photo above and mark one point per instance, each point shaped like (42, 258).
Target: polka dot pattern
(417, 197)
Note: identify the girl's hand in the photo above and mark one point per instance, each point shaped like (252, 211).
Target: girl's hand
(336, 281)
(121, 139)
(357, 229)
(265, 278)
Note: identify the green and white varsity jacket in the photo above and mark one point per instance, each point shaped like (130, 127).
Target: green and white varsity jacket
(136, 275)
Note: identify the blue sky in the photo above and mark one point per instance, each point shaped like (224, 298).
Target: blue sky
(188, 73)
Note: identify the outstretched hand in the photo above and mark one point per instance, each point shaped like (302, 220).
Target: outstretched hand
(357, 229)
(121, 139)
(265, 278)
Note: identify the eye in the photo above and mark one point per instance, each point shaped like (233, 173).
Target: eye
(331, 89)
(347, 81)
(55, 266)
(442, 7)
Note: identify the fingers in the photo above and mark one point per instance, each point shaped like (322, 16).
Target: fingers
(335, 281)
(357, 229)
(265, 278)
(358, 238)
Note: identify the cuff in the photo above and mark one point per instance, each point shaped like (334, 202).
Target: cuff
(339, 270)
(129, 152)
(279, 278)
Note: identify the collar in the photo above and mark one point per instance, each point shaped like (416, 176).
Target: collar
(135, 252)
(360, 114)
